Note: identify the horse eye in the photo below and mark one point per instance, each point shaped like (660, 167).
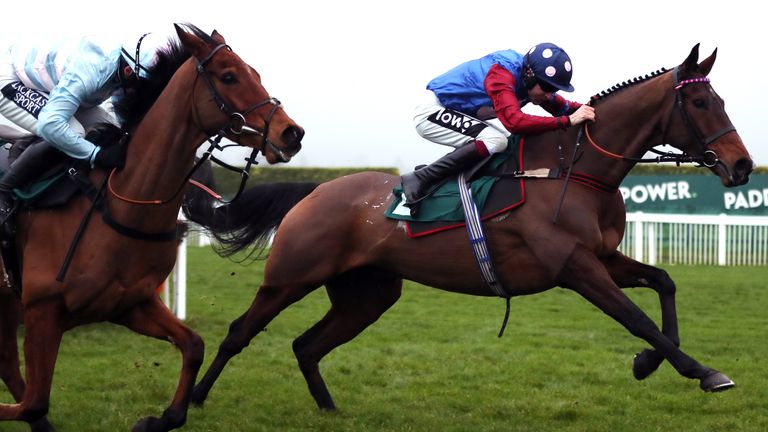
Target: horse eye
(228, 78)
(700, 103)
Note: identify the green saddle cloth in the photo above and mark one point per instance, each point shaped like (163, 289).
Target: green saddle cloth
(445, 203)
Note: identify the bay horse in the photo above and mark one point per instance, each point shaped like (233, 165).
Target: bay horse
(338, 235)
(201, 88)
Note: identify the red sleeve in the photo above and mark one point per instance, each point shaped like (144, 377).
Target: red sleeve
(500, 86)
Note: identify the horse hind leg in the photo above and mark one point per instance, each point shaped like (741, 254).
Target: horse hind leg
(358, 299)
(153, 319)
(628, 273)
(268, 303)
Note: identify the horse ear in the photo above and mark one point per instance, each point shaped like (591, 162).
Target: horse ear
(218, 37)
(706, 65)
(691, 63)
(196, 46)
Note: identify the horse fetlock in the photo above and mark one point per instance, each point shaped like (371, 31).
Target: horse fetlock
(645, 363)
(196, 352)
(34, 411)
(174, 417)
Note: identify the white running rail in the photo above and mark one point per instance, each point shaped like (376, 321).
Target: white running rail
(655, 238)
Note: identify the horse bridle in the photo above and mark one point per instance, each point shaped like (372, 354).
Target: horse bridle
(236, 125)
(709, 157)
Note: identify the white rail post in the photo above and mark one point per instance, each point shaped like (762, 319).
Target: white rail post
(721, 240)
(651, 244)
(180, 282)
(638, 239)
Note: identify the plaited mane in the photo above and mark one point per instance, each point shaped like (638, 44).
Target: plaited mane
(622, 85)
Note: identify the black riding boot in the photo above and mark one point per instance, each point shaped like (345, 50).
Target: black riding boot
(34, 161)
(417, 184)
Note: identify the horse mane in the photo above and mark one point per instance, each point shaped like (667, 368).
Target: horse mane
(623, 85)
(131, 108)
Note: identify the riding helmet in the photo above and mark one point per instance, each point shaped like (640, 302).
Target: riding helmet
(548, 63)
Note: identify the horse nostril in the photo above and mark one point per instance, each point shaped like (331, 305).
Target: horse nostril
(743, 167)
(293, 134)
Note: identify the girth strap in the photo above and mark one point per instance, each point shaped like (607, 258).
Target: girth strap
(85, 185)
(480, 246)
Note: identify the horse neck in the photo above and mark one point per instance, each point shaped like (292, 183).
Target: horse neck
(628, 124)
(160, 155)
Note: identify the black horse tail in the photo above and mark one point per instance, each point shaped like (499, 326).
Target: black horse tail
(248, 221)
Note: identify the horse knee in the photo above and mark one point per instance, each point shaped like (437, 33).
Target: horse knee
(196, 351)
(665, 284)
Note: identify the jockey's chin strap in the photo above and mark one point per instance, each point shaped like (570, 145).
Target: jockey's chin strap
(709, 158)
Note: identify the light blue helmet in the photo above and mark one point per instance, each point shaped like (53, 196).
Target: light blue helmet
(141, 53)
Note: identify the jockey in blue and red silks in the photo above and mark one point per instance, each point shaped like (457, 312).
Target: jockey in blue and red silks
(475, 106)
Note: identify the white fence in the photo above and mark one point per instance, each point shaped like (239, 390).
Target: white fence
(696, 239)
(649, 238)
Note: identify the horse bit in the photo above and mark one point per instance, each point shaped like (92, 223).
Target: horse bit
(236, 125)
(708, 159)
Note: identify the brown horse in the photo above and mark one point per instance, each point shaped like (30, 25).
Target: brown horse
(339, 237)
(202, 89)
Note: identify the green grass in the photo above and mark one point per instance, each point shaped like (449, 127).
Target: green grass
(434, 363)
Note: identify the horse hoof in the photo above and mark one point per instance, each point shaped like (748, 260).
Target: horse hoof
(645, 363)
(41, 425)
(144, 425)
(716, 382)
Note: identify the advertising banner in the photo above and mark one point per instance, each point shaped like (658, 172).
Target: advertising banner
(694, 194)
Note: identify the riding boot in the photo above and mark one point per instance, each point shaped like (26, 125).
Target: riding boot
(34, 161)
(417, 184)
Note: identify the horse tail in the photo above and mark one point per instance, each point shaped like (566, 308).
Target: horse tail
(248, 221)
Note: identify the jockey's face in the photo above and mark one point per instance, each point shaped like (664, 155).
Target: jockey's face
(538, 95)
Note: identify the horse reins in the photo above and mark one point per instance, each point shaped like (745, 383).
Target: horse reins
(677, 158)
(236, 125)
(708, 159)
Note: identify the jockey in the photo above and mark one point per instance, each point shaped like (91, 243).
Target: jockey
(55, 91)
(475, 106)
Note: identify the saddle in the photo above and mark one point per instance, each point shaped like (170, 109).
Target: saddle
(52, 188)
(497, 187)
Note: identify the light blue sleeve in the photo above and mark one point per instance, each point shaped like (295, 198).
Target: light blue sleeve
(53, 121)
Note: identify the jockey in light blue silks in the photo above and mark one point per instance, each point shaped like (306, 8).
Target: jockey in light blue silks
(55, 90)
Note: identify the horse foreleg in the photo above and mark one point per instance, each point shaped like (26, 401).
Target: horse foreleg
(269, 302)
(10, 318)
(42, 338)
(628, 273)
(586, 275)
(357, 301)
(152, 318)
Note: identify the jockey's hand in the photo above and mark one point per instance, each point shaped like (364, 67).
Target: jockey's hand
(584, 113)
(111, 157)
